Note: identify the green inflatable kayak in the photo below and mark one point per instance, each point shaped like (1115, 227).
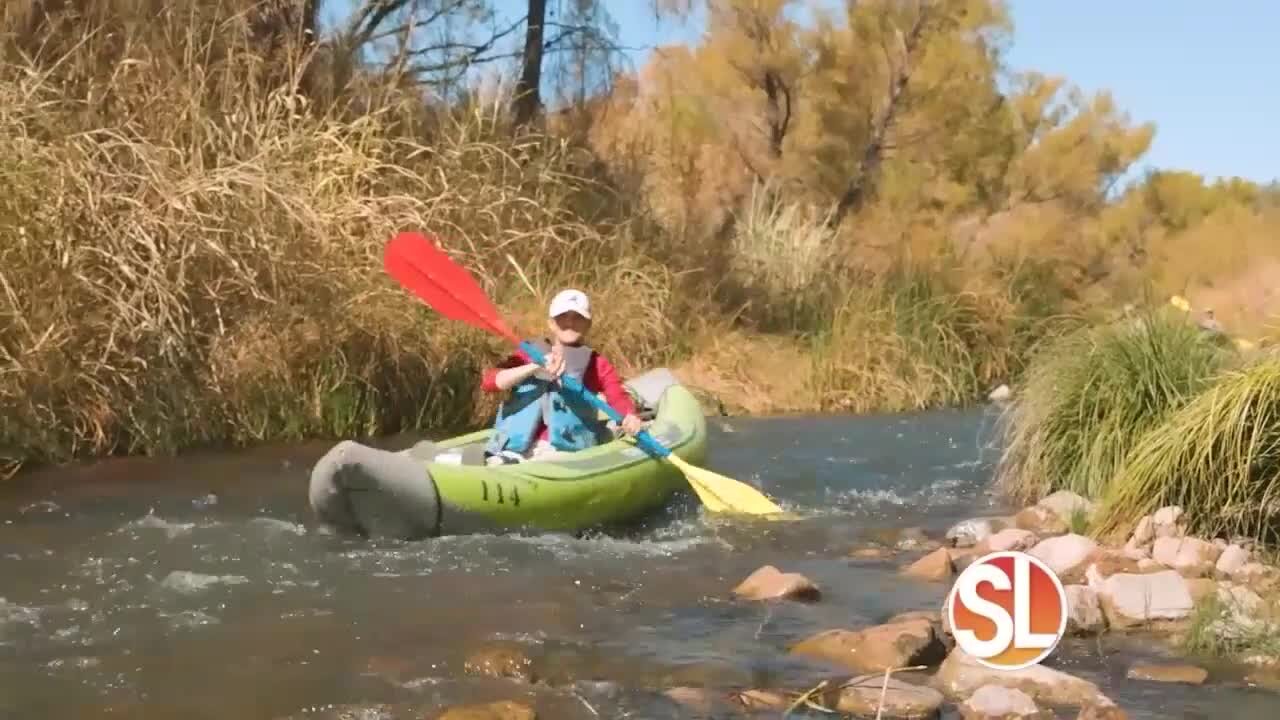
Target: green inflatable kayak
(444, 488)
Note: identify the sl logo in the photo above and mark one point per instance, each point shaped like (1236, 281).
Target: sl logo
(1007, 610)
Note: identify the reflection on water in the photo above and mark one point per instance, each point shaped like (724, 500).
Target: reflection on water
(202, 588)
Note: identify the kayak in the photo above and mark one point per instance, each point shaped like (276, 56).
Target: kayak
(445, 488)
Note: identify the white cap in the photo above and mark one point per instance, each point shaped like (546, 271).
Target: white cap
(570, 301)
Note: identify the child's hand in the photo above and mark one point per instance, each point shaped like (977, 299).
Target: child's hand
(555, 363)
(632, 425)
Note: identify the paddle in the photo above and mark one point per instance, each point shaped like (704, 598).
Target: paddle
(426, 271)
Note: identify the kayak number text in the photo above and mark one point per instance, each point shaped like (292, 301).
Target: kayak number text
(498, 494)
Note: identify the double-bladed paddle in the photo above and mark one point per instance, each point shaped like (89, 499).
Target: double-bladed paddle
(426, 271)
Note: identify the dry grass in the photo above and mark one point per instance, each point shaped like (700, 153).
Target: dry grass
(1218, 456)
(1089, 395)
(194, 225)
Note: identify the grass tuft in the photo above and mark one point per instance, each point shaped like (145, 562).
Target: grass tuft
(1090, 394)
(1218, 456)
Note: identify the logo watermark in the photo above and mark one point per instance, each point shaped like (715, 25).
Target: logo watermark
(1007, 610)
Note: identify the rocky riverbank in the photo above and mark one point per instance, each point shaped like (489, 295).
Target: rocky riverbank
(1162, 587)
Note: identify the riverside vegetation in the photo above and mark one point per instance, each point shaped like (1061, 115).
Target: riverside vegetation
(841, 216)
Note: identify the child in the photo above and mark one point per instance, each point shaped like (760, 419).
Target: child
(539, 419)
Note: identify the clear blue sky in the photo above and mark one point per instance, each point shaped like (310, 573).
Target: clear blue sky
(1204, 72)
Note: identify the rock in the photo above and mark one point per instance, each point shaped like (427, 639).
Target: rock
(1168, 522)
(993, 702)
(968, 533)
(912, 538)
(878, 648)
(1102, 711)
(1134, 551)
(1256, 575)
(960, 676)
(1190, 556)
(1233, 558)
(1129, 600)
(939, 620)
(861, 696)
(501, 710)
(762, 700)
(871, 553)
(1188, 674)
(768, 583)
(1067, 505)
(1064, 554)
(1040, 520)
(501, 661)
(936, 566)
(1084, 612)
(1103, 563)
(1144, 532)
(1000, 394)
(1201, 588)
(1009, 539)
(697, 699)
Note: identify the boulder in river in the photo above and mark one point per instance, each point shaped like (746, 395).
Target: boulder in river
(500, 661)
(1084, 612)
(1168, 673)
(1008, 540)
(1040, 520)
(960, 676)
(1130, 600)
(877, 648)
(1168, 521)
(1067, 505)
(1190, 556)
(501, 710)
(1233, 558)
(993, 702)
(936, 566)
(968, 533)
(768, 583)
(861, 696)
(1065, 554)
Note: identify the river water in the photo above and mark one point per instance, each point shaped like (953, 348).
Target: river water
(201, 588)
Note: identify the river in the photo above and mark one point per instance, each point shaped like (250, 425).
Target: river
(201, 587)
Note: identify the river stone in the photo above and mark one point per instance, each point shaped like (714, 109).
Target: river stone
(1065, 504)
(500, 661)
(960, 676)
(1129, 600)
(762, 700)
(1008, 540)
(936, 566)
(877, 648)
(993, 702)
(968, 533)
(1040, 520)
(501, 710)
(1084, 613)
(902, 701)
(1187, 674)
(1168, 522)
(768, 583)
(1190, 556)
(1064, 554)
(1144, 532)
(1233, 558)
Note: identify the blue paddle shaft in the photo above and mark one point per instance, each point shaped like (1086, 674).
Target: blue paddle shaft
(643, 439)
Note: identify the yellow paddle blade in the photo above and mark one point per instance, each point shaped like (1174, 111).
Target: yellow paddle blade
(722, 494)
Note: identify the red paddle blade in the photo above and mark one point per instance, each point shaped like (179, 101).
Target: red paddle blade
(426, 271)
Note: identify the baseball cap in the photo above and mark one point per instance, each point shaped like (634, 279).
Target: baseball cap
(570, 301)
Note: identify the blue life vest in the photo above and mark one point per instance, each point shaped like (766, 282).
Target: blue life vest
(572, 423)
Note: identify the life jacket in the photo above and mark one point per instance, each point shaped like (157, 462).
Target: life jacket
(572, 423)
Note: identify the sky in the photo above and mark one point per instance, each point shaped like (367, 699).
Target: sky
(1204, 72)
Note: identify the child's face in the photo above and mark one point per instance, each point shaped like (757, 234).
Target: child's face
(569, 328)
